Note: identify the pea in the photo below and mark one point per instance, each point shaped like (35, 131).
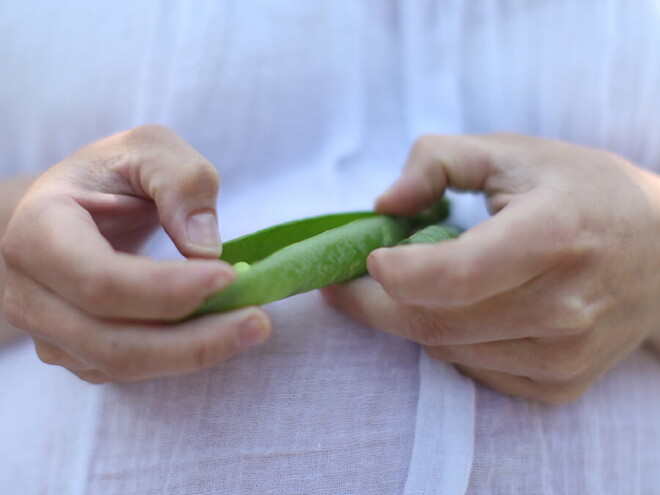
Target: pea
(308, 254)
(241, 266)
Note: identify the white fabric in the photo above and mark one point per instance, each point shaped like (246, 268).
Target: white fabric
(606, 442)
(310, 107)
(442, 453)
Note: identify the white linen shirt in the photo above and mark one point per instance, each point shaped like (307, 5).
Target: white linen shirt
(308, 107)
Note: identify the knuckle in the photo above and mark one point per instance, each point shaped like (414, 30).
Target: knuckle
(147, 134)
(425, 142)
(113, 361)
(578, 314)
(206, 173)
(560, 395)
(94, 377)
(569, 240)
(15, 317)
(11, 248)
(13, 311)
(49, 354)
(201, 178)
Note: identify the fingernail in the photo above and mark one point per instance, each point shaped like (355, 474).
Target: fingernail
(252, 332)
(203, 230)
(221, 280)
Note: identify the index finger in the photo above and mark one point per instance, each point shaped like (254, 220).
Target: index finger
(61, 248)
(435, 163)
(132, 351)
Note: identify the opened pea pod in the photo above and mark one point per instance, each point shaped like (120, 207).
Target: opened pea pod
(303, 255)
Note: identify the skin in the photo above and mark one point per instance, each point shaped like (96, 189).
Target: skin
(11, 192)
(335, 255)
(76, 285)
(557, 286)
(538, 301)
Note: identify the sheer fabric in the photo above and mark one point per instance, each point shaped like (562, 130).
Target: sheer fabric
(309, 107)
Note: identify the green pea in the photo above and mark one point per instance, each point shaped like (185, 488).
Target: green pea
(241, 267)
(308, 254)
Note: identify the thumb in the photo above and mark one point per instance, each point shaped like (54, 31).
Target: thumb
(435, 163)
(511, 248)
(184, 186)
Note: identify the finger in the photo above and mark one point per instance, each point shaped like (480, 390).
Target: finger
(522, 386)
(436, 162)
(364, 300)
(94, 377)
(558, 362)
(49, 353)
(514, 316)
(81, 266)
(125, 221)
(506, 251)
(132, 351)
(183, 184)
(153, 162)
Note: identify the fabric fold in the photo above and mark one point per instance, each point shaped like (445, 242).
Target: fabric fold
(444, 433)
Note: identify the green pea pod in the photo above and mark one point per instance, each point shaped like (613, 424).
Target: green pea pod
(308, 254)
(432, 233)
(258, 245)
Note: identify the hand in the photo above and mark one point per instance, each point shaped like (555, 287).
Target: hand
(75, 285)
(543, 297)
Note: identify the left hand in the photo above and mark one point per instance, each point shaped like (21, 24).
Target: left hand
(542, 298)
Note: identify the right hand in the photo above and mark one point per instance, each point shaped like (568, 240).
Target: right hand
(75, 284)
